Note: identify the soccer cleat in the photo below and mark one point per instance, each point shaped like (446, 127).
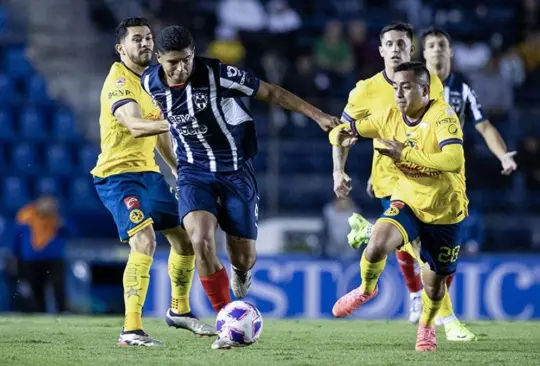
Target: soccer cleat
(240, 282)
(360, 231)
(426, 339)
(457, 332)
(415, 310)
(348, 303)
(220, 344)
(138, 338)
(189, 322)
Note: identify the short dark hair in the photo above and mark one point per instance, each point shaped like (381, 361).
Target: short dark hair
(418, 68)
(398, 27)
(174, 38)
(435, 31)
(122, 28)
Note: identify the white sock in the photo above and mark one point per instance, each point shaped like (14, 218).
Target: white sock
(414, 295)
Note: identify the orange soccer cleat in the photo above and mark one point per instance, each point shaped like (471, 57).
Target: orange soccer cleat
(352, 301)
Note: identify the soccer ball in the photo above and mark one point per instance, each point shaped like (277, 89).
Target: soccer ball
(239, 324)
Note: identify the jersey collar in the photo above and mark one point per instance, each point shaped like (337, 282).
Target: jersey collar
(388, 80)
(414, 123)
(449, 80)
(133, 72)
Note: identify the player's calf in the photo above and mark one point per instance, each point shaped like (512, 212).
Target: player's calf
(201, 226)
(242, 255)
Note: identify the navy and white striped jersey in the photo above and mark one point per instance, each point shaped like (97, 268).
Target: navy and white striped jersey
(212, 127)
(463, 100)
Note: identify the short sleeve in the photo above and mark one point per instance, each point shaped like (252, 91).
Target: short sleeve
(448, 129)
(355, 108)
(368, 127)
(235, 82)
(473, 108)
(119, 92)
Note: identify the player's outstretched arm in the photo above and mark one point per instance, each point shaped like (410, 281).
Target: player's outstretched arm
(165, 148)
(497, 146)
(130, 116)
(450, 159)
(275, 94)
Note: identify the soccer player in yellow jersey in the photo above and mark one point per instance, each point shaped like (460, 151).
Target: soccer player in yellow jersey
(130, 185)
(423, 139)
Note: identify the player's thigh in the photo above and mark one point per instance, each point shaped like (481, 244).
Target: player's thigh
(239, 210)
(126, 198)
(163, 202)
(242, 252)
(440, 245)
(397, 226)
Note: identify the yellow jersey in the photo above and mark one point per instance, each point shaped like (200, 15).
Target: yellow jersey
(368, 97)
(121, 152)
(436, 194)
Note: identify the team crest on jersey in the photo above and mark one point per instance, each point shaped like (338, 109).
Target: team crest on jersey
(136, 216)
(120, 82)
(391, 211)
(200, 100)
(453, 129)
(412, 143)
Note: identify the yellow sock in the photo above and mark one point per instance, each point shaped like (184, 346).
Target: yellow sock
(429, 309)
(370, 273)
(181, 269)
(135, 281)
(446, 309)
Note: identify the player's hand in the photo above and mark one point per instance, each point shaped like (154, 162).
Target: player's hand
(369, 189)
(393, 150)
(342, 136)
(327, 122)
(508, 163)
(342, 184)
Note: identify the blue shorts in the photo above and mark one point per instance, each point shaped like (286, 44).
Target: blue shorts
(439, 244)
(137, 200)
(232, 197)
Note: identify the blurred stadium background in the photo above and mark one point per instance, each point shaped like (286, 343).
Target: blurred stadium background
(55, 54)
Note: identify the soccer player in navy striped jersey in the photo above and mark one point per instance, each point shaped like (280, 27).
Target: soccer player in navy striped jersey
(437, 46)
(216, 140)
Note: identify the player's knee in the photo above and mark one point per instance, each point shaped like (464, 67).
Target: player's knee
(144, 242)
(384, 239)
(434, 285)
(203, 245)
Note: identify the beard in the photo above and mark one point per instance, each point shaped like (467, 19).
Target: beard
(142, 59)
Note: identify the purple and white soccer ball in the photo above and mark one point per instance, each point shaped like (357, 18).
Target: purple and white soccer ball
(239, 324)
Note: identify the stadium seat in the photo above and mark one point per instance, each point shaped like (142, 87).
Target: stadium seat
(7, 132)
(15, 193)
(8, 91)
(16, 63)
(36, 90)
(64, 127)
(59, 159)
(48, 185)
(88, 157)
(24, 158)
(32, 124)
(82, 195)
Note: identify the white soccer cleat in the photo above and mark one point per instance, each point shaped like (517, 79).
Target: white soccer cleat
(456, 331)
(240, 282)
(415, 310)
(189, 322)
(138, 338)
(220, 344)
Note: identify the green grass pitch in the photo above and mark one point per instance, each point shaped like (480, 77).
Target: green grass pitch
(72, 340)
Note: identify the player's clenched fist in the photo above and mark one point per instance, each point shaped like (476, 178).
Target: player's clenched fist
(342, 184)
(342, 136)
